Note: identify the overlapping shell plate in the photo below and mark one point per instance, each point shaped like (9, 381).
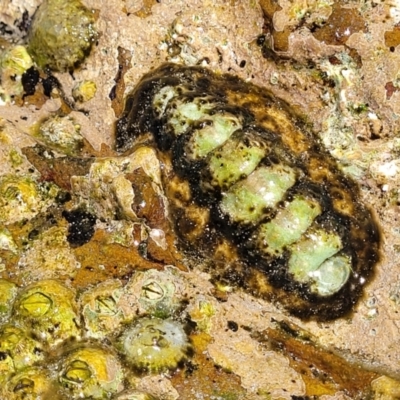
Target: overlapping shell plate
(253, 192)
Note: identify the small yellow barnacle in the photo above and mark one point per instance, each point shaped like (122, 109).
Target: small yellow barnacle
(18, 350)
(84, 91)
(48, 309)
(7, 241)
(201, 312)
(23, 198)
(30, 384)
(14, 62)
(90, 372)
(161, 293)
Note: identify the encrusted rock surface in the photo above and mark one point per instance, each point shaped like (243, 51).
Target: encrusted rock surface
(342, 78)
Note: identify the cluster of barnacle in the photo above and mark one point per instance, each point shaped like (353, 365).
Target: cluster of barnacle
(86, 346)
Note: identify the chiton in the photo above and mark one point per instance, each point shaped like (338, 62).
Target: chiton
(252, 192)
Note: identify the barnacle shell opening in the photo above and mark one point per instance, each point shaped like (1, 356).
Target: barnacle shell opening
(100, 309)
(91, 372)
(154, 344)
(161, 292)
(49, 310)
(30, 384)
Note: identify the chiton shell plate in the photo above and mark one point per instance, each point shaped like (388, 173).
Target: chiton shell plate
(252, 193)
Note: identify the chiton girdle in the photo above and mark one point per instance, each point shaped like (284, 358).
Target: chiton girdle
(252, 191)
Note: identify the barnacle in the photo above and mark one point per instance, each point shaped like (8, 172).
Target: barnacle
(14, 62)
(161, 293)
(60, 133)
(19, 350)
(49, 256)
(201, 311)
(100, 308)
(252, 192)
(48, 309)
(90, 372)
(23, 198)
(84, 91)
(154, 344)
(61, 34)
(385, 388)
(30, 384)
